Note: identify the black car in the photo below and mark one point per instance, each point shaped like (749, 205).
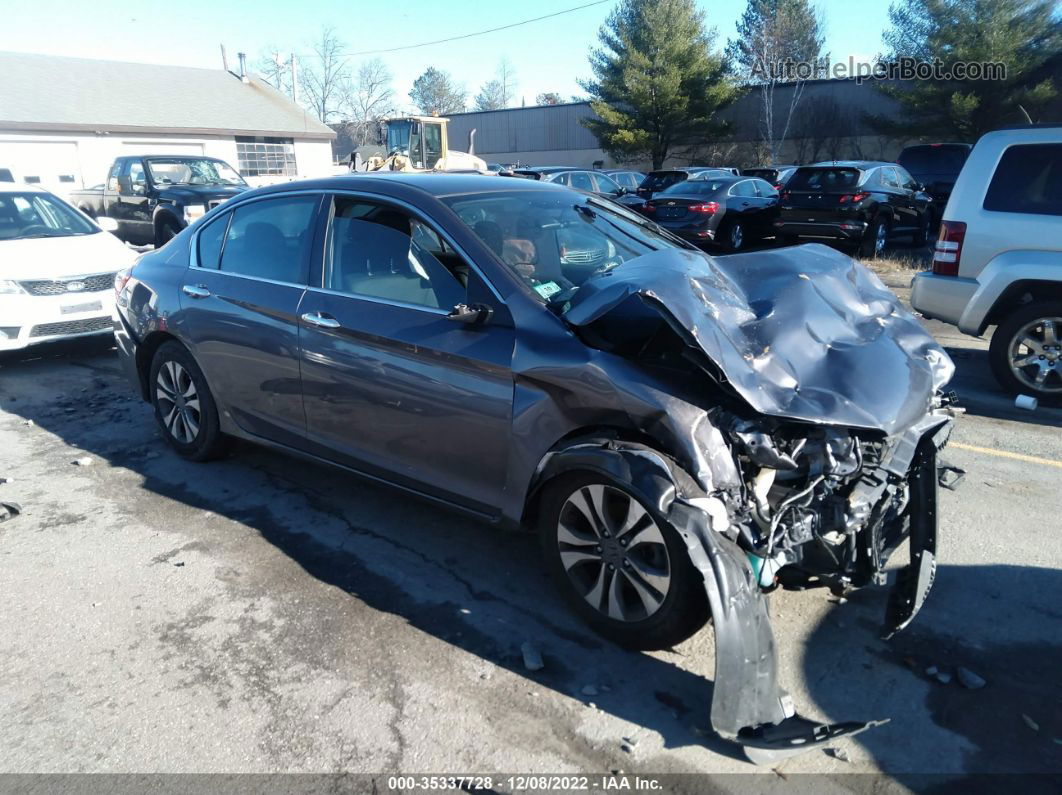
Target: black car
(425, 331)
(656, 181)
(857, 201)
(936, 166)
(730, 211)
(776, 175)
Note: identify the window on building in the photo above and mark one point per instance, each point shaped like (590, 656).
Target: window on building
(260, 156)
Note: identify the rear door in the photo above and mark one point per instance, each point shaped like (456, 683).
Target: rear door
(901, 199)
(240, 303)
(392, 386)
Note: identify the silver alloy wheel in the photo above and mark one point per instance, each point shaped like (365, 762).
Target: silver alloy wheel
(178, 402)
(1035, 355)
(879, 237)
(613, 552)
(737, 236)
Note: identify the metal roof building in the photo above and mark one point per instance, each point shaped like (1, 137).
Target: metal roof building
(63, 120)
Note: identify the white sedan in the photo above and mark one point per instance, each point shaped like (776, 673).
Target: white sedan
(57, 269)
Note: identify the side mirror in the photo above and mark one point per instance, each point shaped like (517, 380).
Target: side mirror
(107, 224)
(474, 315)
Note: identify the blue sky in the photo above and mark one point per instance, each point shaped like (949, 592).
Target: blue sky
(550, 55)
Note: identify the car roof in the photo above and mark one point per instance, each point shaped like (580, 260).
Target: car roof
(15, 187)
(437, 185)
(860, 164)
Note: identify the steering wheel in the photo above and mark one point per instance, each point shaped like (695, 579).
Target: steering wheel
(36, 229)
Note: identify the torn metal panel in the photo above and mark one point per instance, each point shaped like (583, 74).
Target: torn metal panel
(804, 333)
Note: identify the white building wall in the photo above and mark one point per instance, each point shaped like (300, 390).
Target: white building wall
(89, 156)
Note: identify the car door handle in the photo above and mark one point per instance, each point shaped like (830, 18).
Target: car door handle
(195, 291)
(320, 320)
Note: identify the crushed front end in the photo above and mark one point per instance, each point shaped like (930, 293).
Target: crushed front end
(814, 413)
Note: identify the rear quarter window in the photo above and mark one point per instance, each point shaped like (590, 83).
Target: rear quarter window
(1028, 179)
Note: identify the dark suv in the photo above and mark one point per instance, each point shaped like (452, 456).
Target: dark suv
(856, 201)
(936, 166)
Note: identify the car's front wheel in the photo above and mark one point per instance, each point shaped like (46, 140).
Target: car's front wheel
(1026, 351)
(184, 406)
(619, 563)
(166, 231)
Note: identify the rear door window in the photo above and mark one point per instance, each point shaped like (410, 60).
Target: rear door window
(743, 188)
(210, 239)
(270, 239)
(1028, 179)
(605, 184)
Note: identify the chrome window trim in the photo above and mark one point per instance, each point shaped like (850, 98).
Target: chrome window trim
(377, 300)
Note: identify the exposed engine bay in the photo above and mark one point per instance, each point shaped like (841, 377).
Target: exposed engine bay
(813, 416)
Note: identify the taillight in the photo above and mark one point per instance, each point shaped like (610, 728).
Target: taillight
(707, 208)
(649, 207)
(853, 198)
(120, 280)
(948, 251)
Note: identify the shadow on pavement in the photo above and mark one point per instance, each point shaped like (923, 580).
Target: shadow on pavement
(997, 619)
(980, 393)
(329, 523)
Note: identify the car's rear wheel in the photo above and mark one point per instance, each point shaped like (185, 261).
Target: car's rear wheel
(1026, 351)
(734, 238)
(619, 563)
(873, 245)
(184, 406)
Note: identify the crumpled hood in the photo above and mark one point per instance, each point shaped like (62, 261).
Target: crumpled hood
(190, 194)
(803, 332)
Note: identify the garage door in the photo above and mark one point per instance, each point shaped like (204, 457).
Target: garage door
(160, 148)
(50, 164)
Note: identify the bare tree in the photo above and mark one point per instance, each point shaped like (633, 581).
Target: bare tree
(371, 100)
(506, 77)
(324, 78)
(275, 67)
(491, 96)
(779, 44)
(548, 98)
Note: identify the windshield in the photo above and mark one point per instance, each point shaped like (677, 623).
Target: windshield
(190, 171)
(398, 136)
(556, 241)
(28, 215)
(824, 179)
(695, 187)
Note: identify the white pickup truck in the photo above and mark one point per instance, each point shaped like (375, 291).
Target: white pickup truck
(998, 260)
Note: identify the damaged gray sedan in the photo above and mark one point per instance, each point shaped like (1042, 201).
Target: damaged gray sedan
(685, 433)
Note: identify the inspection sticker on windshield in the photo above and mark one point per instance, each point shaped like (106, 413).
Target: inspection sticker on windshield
(546, 289)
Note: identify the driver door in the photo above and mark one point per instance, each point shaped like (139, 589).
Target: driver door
(391, 385)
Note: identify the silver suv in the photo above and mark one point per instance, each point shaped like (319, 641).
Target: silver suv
(998, 260)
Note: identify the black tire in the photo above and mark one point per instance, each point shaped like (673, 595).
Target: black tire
(733, 237)
(868, 248)
(165, 231)
(683, 610)
(999, 352)
(207, 442)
